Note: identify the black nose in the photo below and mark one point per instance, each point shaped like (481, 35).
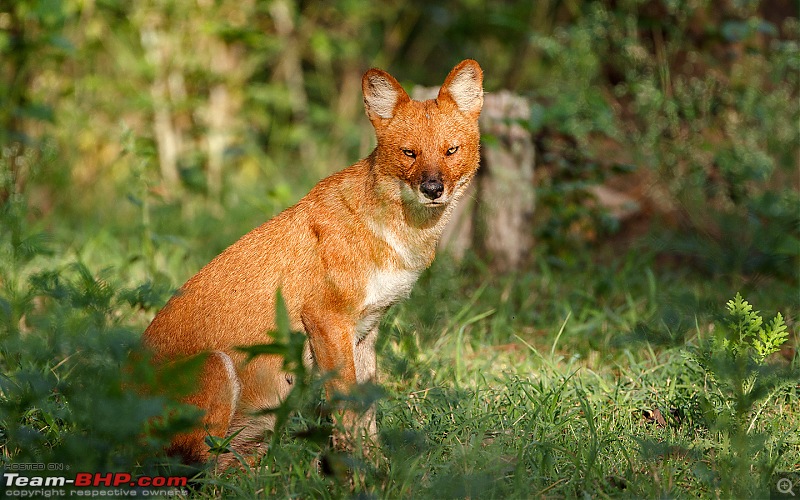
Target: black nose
(432, 189)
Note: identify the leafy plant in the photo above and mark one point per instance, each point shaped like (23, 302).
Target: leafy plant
(752, 335)
(739, 382)
(76, 388)
(735, 355)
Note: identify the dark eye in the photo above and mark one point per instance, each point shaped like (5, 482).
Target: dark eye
(410, 153)
(452, 151)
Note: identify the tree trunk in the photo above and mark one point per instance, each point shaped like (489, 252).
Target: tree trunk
(168, 139)
(502, 223)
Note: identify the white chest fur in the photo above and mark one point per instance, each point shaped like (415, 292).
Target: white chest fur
(407, 256)
(384, 288)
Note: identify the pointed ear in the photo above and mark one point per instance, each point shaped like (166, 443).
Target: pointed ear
(382, 95)
(464, 86)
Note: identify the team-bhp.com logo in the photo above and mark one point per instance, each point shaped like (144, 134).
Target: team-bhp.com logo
(90, 484)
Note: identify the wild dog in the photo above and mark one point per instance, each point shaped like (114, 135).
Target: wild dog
(347, 251)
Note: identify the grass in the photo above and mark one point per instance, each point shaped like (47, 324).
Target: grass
(560, 382)
(572, 378)
(567, 408)
(470, 412)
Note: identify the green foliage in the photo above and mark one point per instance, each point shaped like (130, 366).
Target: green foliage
(740, 346)
(76, 387)
(748, 336)
(76, 391)
(31, 39)
(739, 383)
(718, 144)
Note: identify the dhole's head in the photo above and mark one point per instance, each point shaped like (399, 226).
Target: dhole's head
(427, 150)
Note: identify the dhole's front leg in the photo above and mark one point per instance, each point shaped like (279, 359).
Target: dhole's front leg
(366, 369)
(333, 343)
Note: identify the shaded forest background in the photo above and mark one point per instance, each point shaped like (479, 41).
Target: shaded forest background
(689, 109)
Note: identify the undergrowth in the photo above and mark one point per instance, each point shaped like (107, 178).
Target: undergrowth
(589, 379)
(611, 395)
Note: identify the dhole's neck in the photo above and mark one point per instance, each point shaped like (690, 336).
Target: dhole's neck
(410, 229)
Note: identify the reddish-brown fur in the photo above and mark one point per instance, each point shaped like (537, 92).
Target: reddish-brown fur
(341, 256)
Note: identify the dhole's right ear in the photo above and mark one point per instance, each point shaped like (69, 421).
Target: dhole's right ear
(382, 95)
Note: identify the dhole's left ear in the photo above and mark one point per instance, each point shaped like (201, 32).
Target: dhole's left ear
(464, 86)
(382, 95)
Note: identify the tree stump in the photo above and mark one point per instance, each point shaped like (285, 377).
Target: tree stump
(494, 219)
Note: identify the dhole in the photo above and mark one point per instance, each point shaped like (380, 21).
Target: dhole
(342, 255)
